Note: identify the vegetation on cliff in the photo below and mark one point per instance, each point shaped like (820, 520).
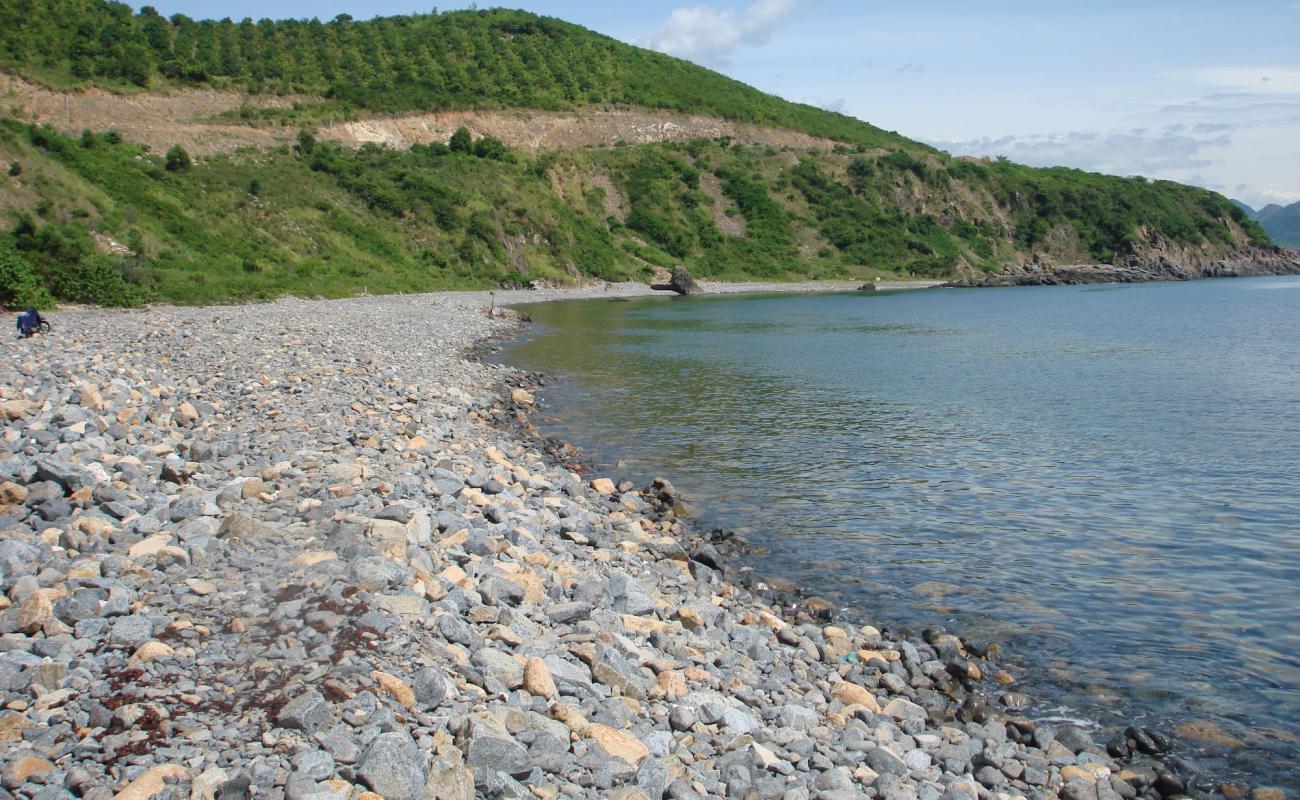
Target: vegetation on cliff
(456, 60)
(98, 219)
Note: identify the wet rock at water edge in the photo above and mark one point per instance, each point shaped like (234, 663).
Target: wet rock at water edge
(683, 282)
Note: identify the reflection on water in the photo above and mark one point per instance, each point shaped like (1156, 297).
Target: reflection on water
(1103, 478)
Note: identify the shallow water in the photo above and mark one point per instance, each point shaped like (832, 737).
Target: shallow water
(1105, 479)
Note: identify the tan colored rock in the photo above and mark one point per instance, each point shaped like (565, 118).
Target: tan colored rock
(1071, 772)
(521, 397)
(35, 612)
(672, 683)
(618, 743)
(1202, 730)
(537, 679)
(205, 786)
(24, 767)
(151, 546)
(17, 409)
(152, 782)
(389, 538)
(313, 557)
(91, 398)
(151, 650)
(851, 694)
(901, 708)
(604, 486)
(689, 617)
(1267, 793)
(85, 569)
(450, 781)
(252, 488)
(644, 625)
(396, 687)
(456, 576)
(12, 725)
(12, 494)
(186, 413)
(571, 717)
(345, 471)
(475, 497)
(403, 605)
(534, 589)
(503, 633)
(200, 587)
(95, 526)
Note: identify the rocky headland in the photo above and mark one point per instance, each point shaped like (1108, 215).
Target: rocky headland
(1181, 265)
(312, 550)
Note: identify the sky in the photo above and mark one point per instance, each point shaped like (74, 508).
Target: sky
(1201, 92)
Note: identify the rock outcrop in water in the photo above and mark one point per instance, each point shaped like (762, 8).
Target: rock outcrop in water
(286, 551)
(1172, 266)
(683, 282)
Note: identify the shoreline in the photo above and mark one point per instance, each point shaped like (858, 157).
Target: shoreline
(297, 547)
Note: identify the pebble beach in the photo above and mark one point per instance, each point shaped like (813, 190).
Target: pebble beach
(315, 550)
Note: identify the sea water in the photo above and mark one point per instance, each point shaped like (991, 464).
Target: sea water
(1103, 479)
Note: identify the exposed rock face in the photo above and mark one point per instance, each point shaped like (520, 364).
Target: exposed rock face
(194, 119)
(683, 282)
(1186, 264)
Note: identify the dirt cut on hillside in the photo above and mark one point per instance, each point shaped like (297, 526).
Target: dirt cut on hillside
(193, 118)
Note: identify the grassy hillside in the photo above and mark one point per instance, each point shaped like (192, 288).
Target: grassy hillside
(456, 60)
(98, 219)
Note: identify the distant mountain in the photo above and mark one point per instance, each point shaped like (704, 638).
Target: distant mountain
(1282, 223)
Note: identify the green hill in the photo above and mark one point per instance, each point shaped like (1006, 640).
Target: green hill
(457, 60)
(94, 218)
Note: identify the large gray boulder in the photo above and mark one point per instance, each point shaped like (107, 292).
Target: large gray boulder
(683, 282)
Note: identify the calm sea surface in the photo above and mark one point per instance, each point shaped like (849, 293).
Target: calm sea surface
(1104, 479)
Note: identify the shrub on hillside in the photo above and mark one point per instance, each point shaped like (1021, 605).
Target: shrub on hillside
(177, 160)
(19, 285)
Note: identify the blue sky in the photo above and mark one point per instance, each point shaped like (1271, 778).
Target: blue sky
(1201, 92)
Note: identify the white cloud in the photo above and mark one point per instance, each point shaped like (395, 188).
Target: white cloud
(708, 33)
(1256, 80)
(1134, 152)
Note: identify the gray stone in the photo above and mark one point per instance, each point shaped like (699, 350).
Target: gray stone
(489, 754)
(682, 282)
(498, 666)
(1075, 738)
(454, 629)
(564, 613)
(652, 778)
(799, 718)
(393, 767)
(131, 631)
(501, 592)
(990, 776)
(625, 595)
(316, 764)
(430, 687)
(886, 762)
(67, 475)
(307, 712)
(681, 718)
